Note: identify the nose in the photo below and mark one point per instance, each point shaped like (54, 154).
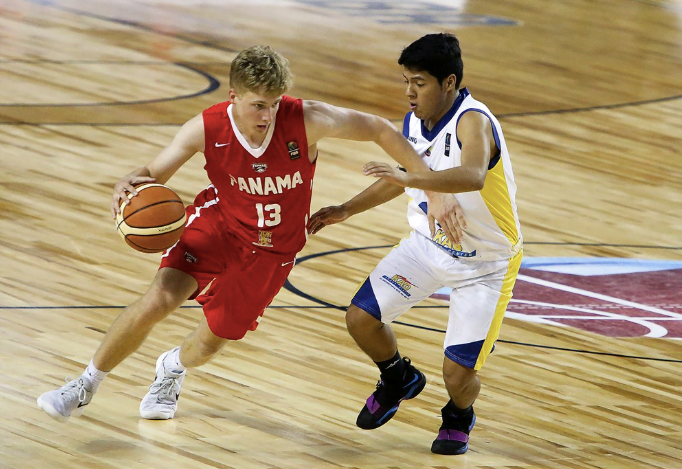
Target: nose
(409, 91)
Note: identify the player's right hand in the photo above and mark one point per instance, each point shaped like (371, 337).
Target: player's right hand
(124, 187)
(327, 216)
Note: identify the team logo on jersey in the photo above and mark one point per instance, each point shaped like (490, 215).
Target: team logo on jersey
(264, 239)
(259, 167)
(447, 144)
(441, 239)
(427, 153)
(412, 139)
(399, 284)
(293, 150)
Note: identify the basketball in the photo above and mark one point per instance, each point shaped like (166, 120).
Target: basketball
(153, 220)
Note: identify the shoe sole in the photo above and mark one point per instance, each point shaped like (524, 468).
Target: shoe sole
(51, 411)
(155, 416)
(463, 449)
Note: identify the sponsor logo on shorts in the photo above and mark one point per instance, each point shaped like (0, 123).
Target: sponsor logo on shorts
(190, 258)
(399, 284)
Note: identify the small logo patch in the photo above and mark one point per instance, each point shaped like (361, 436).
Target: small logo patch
(447, 144)
(190, 258)
(259, 167)
(264, 239)
(399, 284)
(427, 153)
(293, 150)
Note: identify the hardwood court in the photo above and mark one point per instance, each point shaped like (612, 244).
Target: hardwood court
(588, 94)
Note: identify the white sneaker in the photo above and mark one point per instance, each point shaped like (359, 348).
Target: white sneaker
(68, 400)
(161, 402)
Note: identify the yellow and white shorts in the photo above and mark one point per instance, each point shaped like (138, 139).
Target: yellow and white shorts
(417, 268)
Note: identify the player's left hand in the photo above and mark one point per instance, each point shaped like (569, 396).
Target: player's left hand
(387, 172)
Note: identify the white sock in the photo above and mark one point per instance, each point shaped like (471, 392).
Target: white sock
(172, 362)
(95, 376)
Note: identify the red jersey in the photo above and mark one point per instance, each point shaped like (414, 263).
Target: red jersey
(264, 193)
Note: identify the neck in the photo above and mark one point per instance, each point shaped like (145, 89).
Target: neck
(253, 137)
(450, 98)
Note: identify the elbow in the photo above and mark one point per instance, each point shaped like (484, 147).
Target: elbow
(477, 180)
(478, 184)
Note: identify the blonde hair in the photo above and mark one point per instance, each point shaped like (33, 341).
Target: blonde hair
(261, 70)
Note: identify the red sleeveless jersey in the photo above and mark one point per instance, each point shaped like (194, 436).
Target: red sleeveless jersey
(263, 194)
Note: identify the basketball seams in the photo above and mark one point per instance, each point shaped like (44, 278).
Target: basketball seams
(151, 221)
(126, 217)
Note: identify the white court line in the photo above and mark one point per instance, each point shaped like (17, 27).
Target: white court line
(598, 296)
(655, 330)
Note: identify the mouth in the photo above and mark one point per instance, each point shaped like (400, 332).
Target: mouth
(413, 106)
(263, 126)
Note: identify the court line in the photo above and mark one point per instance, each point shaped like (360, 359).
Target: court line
(290, 287)
(213, 84)
(209, 44)
(655, 330)
(598, 296)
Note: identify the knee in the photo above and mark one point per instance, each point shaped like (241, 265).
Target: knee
(358, 319)
(154, 306)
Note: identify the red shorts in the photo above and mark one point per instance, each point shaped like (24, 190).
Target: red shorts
(245, 279)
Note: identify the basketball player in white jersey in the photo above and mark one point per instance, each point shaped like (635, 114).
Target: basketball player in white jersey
(463, 145)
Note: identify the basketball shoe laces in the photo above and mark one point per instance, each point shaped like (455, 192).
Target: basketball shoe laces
(164, 391)
(75, 389)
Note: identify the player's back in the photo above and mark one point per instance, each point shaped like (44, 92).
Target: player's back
(263, 193)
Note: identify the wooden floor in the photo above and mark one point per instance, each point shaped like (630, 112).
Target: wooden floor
(589, 96)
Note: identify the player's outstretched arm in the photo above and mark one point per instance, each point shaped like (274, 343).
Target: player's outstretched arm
(378, 193)
(478, 146)
(324, 120)
(188, 141)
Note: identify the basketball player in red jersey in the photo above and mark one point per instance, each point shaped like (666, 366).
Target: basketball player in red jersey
(242, 232)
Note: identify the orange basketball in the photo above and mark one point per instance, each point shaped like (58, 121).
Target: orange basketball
(153, 220)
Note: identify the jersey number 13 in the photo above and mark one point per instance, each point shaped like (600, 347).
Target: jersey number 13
(272, 211)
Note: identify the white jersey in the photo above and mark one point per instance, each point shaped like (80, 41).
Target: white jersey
(493, 229)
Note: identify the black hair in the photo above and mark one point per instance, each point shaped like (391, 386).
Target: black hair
(438, 54)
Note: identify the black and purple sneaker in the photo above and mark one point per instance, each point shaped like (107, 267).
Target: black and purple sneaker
(382, 405)
(453, 436)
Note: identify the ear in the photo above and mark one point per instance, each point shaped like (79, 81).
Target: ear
(232, 94)
(450, 82)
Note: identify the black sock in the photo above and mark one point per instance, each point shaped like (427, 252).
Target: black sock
(457, 412)
(392, 369)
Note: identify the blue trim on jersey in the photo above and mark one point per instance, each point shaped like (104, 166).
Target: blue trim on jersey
(366, 300)
(465, 354)
(406, 125)
(496, 136)
(425, 208)
(431, 134)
